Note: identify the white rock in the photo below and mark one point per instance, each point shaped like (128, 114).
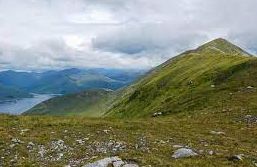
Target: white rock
(130, 165)
(114, 161)
(183, 153)
(17, 141)
(80, 141)
(157, 114)
(118, 163)
(23, 131)
(249, 87)
(211, 152)
(12, 145)
(60, 155)
(238, 157)
(177, 146)
(217, 133)
(103, 162)
(106, 131)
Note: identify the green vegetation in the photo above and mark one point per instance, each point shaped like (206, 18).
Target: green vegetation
(147, 141)
(215, 76)
(83, 103)
(8, 93)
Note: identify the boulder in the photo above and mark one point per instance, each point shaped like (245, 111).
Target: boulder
(111, 161)
(184, 153)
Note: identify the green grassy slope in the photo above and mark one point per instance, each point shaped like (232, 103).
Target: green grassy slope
(92, 103)
(214, 76)
(149, 142)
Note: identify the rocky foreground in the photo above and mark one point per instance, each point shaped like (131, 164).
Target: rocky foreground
(197, 140)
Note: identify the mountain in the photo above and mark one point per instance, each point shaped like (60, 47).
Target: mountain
(20, 80)
(216, 76)
(8, 93)
(68, 80)
(91, 103)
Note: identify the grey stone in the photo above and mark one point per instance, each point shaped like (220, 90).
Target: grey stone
(177, 146)
(211, 152)
(103, 162)
(183, 153)
(114, 161)
(130, 165)
(217, 133)
(238, 157)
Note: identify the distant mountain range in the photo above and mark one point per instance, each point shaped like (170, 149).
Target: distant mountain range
(20, 84)
(217, 76)
(7, 93)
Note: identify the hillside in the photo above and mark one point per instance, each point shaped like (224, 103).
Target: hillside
(216, 76)
(92, 103)
(8, 93)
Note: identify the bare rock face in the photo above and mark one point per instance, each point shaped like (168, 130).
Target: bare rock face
(111, 161)
(184, 153)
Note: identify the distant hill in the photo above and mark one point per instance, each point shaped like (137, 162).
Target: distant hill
(92, 103)
(216, 76)
(68, 80)
(8, 93)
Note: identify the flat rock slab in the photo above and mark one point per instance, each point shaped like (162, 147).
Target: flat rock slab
(113, 161)
(184, 153)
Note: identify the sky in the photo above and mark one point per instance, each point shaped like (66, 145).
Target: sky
(57, 34)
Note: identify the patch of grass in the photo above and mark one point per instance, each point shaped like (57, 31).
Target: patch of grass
(146, 141)
(92, 103)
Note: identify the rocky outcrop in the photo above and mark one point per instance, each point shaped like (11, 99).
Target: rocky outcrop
(111, 161)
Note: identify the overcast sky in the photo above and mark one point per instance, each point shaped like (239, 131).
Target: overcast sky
(51, 34)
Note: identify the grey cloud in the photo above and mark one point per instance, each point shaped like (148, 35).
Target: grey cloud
(55, 54)
(147, 39)
(122, 34)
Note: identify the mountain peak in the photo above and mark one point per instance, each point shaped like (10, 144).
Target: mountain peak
(223, 46)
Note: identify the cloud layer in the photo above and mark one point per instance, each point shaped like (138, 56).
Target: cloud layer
(37, 35)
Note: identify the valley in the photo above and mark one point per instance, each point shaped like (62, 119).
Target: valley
(196, 109)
